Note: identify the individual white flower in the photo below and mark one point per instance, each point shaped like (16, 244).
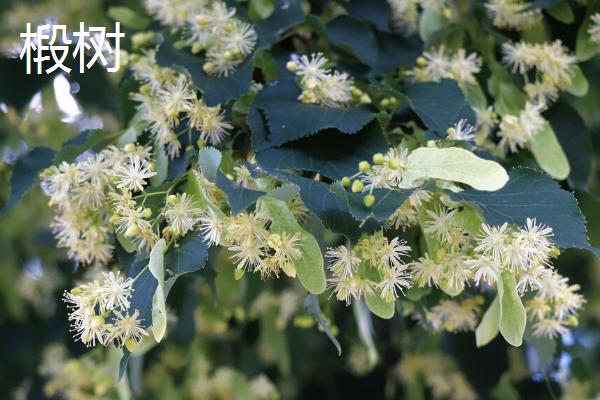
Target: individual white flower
(176, 96)
(486, 119)
(181, 213)
(555, 61)
(394, 279)
(426, 272)
(133, 176)
(115, 291)
(512, 135)
(211, 227)
(549, 328)
(347, 287)
(484, 268)
(247, 227)
(531, 119)
(536, 240)
(286, 246)
(492, 240)
(441, 224)
(240, 37)
(520, 57)
(127, 327)
(461, 131)
(335, 89)
(390, 254)
(463, 67)
(513, 14)
(312, 70)
(343, 261)
(594, 29)
(248, 255)
(437, 63)
(532, 278)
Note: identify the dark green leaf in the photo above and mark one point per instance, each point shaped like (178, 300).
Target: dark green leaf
(533, 194)
(189, 256)
(386, 202)
(332, 153)
(354, 35)
(376, 12)
(25, 172)
(287, 14)
(439, 105)
(239, 197)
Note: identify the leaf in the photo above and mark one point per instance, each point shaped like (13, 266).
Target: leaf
(457, 165)
(365, 330)
(513, 317)
(562, 12)
(128, 17)
(25, 172)
(431, 21)
(289, 119)
(215, 90)
(189, 256)
(18, 90)
(575, 140)
(489, 326)
(286, 192)
(353, 35)
(161, 160)
(549, 154)
(123, 364)
(378, 306)
(439, 105)
(331, 153)
(179, 165)
(545, 348)
(376, 12)
(533, 194)
(159, 310)
(310, 266)
(579, 86)
(386, 202)
(311, 304)
(86, 140)
(287, 14)
(238, 196)
(260, 9)
(585, 48)
(209, 159)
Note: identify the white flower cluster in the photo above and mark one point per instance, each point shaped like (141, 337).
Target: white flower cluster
(515, 132)
(80, 193)
(100, 312)
(594, 29)
(455, 316)
(373, 267)
(255, 248)
(211, 27)
(524, 252)
(438, 63)
(167, 99)
(553, 64)
(513, 14)
(322, 86)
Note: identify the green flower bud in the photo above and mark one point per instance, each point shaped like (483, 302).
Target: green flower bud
(363, 166)
(291, 66)
(346, 181)
(369, 200)
(357, 186)
(378, 158)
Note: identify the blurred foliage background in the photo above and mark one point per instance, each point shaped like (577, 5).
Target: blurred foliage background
(256, 341)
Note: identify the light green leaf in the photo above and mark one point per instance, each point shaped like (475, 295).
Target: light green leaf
(310, 266)
(159, 311)
(161, 161)
(579, 85)
(431, 21)
(490, 324)
(562, 12)
(209, 159)
(513, 317)
(127, 244)
(285, 192)
(195, 187)
(455, 164)
(549, 154)
(376, 304)
(584, 47)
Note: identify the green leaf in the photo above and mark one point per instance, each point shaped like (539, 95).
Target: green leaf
(533, 194)
(430, 22)
(311, 304)
(273, 338)
(439, 104)
(376, 304)
(288, 119)
(128, 17)
(579, 86)
(377, 12)
(286, 192)
(86, 140)
(355, 36)
(195, 187)
(209, 159)
(585, 48)
(260, 9)
(365, 330)
(330, 152)
(189, 256)
(161, 160)
(562, 12)
(239, 197)
(215, 90)
(513, 317)
(159, 310)
(489, 326)
(25, 172)
(549, 154)
(310, 266)
(287, 14)
(386, 202)
(454, 164)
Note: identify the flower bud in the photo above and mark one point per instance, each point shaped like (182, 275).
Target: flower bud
(378, 158)
(147, 213)
(394, 164)
(365, 99)
(291, 66)
(421, 61)
(369, 200)
(238, 273)
(171, 199)
(132, 231)
(363, 166)
(357, 186)
(572, 321)
(129, 148)
(385, 103)
(208, 67)
(346, 181)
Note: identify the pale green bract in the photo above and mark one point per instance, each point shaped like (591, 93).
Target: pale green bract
(489, 326)
(454, 164)
(159, 311)
(512, 312)
(549, 154)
